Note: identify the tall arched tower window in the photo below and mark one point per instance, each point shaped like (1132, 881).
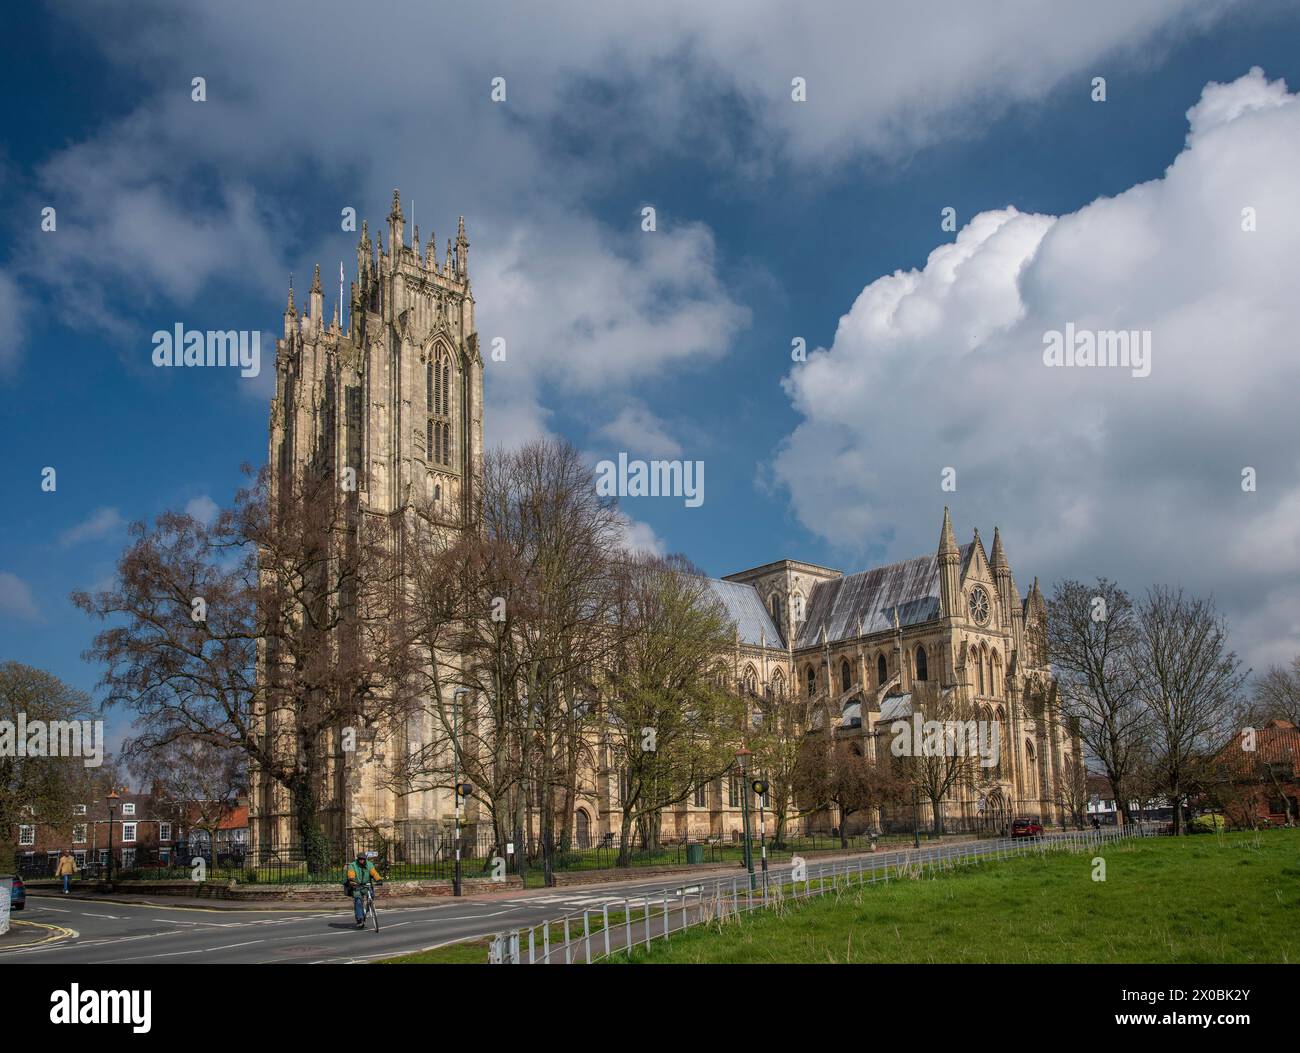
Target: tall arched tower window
(812, 681)
(922, 666)
(882, 671)
(846, 675)
(437, 383)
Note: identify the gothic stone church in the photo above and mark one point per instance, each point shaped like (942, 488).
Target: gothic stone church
(399, 391)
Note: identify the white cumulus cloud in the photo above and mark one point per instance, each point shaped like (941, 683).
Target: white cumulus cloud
(1088, 470)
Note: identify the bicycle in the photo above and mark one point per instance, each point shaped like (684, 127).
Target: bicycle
(368, 896)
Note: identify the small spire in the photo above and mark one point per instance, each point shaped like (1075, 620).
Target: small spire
(315, 280)
(415, 239)
(396, 213)
(947, 540)
(290, 309)
(999, 557)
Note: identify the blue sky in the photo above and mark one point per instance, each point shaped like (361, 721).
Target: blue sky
(776, 220)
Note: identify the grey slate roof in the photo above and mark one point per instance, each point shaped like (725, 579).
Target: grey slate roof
(744, 607)
(864, 603)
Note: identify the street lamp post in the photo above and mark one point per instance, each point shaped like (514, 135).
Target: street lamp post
(455, 767)
(742, 756)
(760, 789)
(112, 799)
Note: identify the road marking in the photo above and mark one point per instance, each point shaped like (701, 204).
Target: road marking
(57, 932)
(110, 917)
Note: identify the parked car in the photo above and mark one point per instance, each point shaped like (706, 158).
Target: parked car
(17, 894)
(1026, 826)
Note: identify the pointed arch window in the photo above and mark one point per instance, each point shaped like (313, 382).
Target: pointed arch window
(437, 394)
(980, 662)
(882, 671)
(922, 665)
(846, 675)
(812, 681)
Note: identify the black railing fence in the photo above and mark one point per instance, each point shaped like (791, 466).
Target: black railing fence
(433, 856)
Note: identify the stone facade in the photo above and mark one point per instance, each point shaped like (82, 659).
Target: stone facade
(397, 394)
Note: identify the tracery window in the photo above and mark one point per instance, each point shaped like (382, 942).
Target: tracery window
(437, 393)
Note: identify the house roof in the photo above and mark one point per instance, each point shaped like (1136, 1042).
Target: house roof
(744, 607)
(864, 603)
(1277, 742)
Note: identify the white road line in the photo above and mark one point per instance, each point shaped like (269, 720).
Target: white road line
(110, 917)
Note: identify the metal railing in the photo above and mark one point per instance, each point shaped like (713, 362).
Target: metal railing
(622, 926)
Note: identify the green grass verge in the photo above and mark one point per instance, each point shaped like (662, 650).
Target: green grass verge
(1203, 899)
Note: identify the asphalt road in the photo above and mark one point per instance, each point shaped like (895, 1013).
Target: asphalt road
(157, 933)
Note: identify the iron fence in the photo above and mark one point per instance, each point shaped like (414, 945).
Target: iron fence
(621, 926)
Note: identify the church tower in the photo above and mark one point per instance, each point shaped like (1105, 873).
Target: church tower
(389, 399)
(397, 395)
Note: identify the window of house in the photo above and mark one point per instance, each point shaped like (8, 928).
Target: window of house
(128, 809)
(164, 831)
(79, 834)
(27, 835)
(78, 809)
(736, 791)
(128, 831)
(80, 856)
(701, 796)
(128, 858)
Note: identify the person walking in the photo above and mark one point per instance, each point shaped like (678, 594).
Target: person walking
(66, 869)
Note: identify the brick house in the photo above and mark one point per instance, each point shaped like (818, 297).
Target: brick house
(1260, 786)
(142, 834)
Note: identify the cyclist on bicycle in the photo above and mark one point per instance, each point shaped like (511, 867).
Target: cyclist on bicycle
(360, 873)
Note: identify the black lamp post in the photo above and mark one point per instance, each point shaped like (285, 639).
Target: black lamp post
(742, 756)
(462, 790)
(760, 789)
(112, 799)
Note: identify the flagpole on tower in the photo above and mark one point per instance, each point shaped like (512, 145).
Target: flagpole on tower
(341, 323)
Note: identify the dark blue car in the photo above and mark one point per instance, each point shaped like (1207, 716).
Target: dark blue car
(18, 894)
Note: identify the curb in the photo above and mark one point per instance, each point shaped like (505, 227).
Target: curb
(57, 932)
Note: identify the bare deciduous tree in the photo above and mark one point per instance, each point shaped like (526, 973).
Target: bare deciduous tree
(270, 632)
(1092, 636)
(1190, 689)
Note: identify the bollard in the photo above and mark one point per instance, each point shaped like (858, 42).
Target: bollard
(604, 911)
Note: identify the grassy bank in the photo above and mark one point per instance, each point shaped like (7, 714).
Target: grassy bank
(1210, 898)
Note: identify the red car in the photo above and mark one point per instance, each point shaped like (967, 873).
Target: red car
(1026, 827)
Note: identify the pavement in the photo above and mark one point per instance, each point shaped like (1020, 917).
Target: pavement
(126, 930)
